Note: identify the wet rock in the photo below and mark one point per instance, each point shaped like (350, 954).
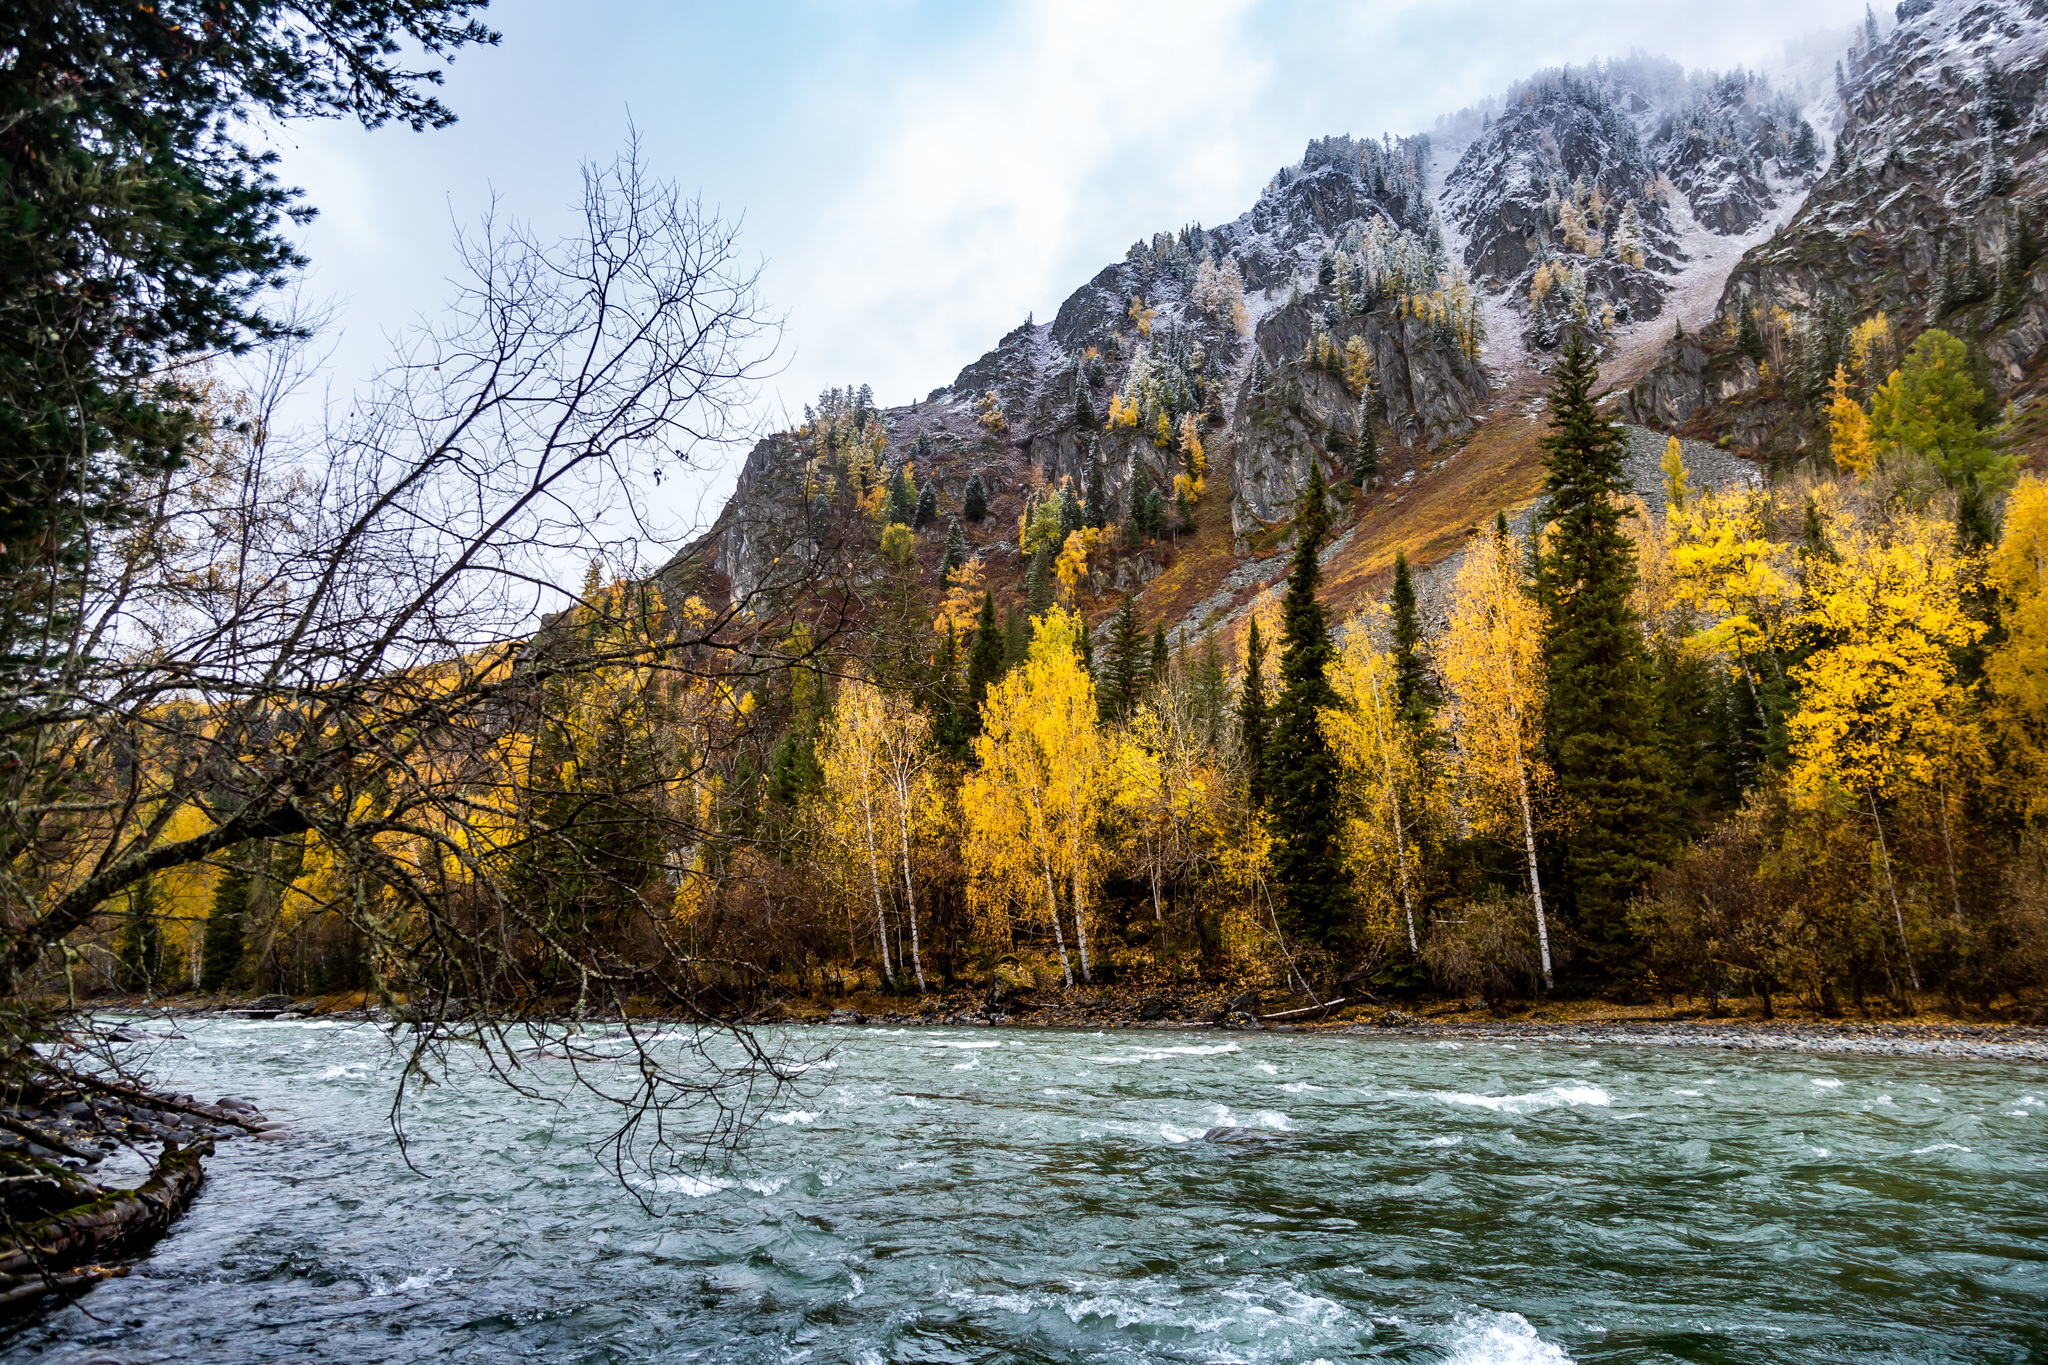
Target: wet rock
(1241, 1012)
(1230, 1133)
(271, 1002)
(1153, 1007)
(846, 1017)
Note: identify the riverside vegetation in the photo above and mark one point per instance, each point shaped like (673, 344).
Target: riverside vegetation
(289, 716)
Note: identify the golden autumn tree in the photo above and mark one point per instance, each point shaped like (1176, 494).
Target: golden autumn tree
(2017, 669)
(1171, 792)
(1882, 712)
(1849, 439)
(855, 798)
(1376, 753)
(1491, 659)
(1034, 809)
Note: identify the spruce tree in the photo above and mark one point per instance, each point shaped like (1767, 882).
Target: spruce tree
(1142, 508)
(1016, 639)
(139, 948)
(927, 504)
(951, 721)
(1097, 510)
(956, 547)
(902, 499)
(1304, 796)
(1123, 673)
(974, 501)
(1749, 338)
(221, 948)
(1155, 676)
(1252, 720)
(1601, 707)
(1084, 408)
(1071, 518)
(1414, 687)
(984, 660)
(1365, 460)
(1038, 583)
(1210, 688)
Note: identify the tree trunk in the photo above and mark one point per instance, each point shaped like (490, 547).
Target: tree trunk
(1535, 878)
(875, 881)
(1912, 974)
(59, 1253)
(1052, 903)
(910, 900)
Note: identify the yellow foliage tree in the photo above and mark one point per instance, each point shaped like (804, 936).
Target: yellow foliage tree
(2017, 669)
(1376, 754)
(1196, 457)
(1491, 659)
(1171, 794)
(962, 602)
(1140, 315)
(1357, 365)
(1676, 484)
(1071, 567)
(1725, 565)
(1849, 439)
(1881, 710)
(1034, 808)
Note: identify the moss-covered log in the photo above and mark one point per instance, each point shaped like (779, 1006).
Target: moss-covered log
(61, 1253)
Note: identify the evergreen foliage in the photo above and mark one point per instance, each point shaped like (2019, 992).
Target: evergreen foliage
(1155, 676)
(1016, 639)
(927, 504)
(1252, 721)
(220, 951)
(1071, 518)
(1303, 782)
(956, 547)
(1413, 685)
(139, 948)
(1038, 583)
(1096, 512)
(974, 501)
(1601, 706)
(902, 499)
(985, 660)
(1123, 672)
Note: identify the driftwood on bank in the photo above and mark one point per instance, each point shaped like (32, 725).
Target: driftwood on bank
(62, 1252)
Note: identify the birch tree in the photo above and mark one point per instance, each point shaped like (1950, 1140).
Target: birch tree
(1376, 754)
(1490, 656)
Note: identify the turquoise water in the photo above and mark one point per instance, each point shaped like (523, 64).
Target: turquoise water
(1015, 1195)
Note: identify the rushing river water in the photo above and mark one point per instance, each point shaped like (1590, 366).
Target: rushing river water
(1022, 1195)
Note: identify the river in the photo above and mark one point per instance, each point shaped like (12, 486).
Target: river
(1020, 1195)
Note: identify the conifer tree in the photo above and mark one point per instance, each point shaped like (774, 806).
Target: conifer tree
(1038, 582)
(956, 547)
(927, 504)
(1016, 639)
(1601, 704)
(1413, 686)
(139, 949)
(902, 499)
(221, 949)
(1749, 338)
(1071, 518)
(952, 719)
(1252, 720)
(1304, 782)
(1084, 408)
(1097, 510)
(984, 660)
(974, 501)
(1142, 496)
(1365, 459)
(1156, 675)
(1123, 673)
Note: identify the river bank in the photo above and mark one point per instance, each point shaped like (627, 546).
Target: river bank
(1930, 1030)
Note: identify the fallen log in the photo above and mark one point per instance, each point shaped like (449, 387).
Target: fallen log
(60, 1254)
(1323, 1008)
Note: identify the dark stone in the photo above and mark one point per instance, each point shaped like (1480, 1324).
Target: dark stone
(271, 1002)
(1233, 1134)
(1154, 1007)
(847, 1017)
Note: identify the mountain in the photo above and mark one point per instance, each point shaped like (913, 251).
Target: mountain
(1395, 302)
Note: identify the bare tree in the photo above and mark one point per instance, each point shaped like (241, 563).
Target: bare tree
(363, 645)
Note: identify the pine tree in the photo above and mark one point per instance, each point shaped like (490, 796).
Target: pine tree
(221, 948)
(1601, 700)
(985, 663)
(139, 949)
(1142, 495)
(1071, 518)
(1155, 676)
(1016, 639)
(1304, 780)
(1412, 683)
(953, 721)
(1084, 408)
(902, 499)
(956, 547)
(1365, 460)
(927, 504)
(1749, 338)
(974, 501)
(1252, 720)
(1038, 583)
(1096, 513)
(1123, 673)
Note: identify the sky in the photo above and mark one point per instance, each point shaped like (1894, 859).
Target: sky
(914, 178)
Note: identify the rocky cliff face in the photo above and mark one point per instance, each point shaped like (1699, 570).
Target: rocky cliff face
(1930, 213)
(1574, 202)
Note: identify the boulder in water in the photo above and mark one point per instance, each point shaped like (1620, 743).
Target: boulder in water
(1233, 1134)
